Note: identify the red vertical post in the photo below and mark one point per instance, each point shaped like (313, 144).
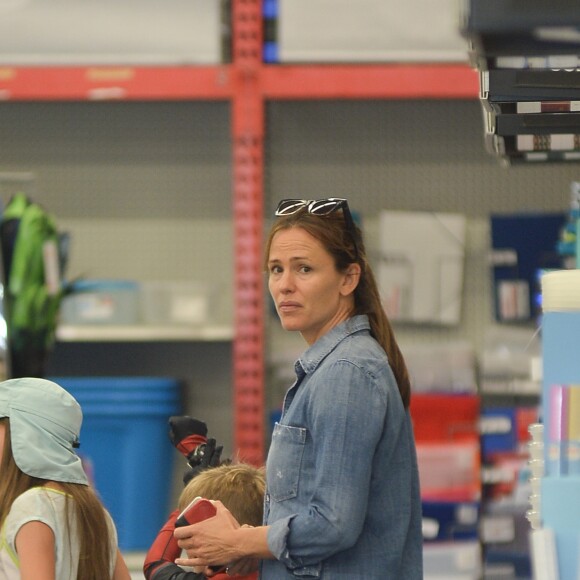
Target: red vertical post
(248, 204)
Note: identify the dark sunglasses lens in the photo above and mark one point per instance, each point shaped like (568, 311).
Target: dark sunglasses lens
(325, 206)
(290, 206)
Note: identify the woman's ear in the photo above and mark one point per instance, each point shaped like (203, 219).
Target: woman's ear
(351, 279)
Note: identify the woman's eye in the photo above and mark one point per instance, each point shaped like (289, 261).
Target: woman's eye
(304, 269)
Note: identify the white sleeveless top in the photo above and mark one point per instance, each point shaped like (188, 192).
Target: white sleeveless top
(47, 505)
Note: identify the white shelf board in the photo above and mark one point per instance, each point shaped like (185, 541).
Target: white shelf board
(510, 387)
(143, 333)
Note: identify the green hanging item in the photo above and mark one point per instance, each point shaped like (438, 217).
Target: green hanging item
(33, 283)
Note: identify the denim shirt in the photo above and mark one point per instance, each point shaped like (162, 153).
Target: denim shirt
(342, 497)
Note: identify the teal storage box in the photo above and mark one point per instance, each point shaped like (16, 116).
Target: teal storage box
(125, 444)
(101, 302)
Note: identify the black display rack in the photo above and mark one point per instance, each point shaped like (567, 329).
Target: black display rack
(527, 52)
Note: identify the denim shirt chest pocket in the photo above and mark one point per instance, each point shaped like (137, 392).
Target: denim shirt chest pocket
(284, 461)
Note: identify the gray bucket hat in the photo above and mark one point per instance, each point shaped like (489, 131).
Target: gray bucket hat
(45, 422)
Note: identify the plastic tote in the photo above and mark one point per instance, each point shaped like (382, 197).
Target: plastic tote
(125, 445)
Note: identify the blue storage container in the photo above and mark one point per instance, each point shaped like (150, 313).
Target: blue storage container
(124, 441)
(101, 302)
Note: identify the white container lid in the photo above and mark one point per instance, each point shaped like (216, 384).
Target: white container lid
(561, 291)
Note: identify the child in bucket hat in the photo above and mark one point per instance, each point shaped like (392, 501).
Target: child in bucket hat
(52, 524)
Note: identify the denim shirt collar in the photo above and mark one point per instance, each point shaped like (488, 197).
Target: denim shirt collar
(312, 356)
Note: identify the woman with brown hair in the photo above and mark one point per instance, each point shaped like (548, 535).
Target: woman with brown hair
(52, 524)
(342, 496)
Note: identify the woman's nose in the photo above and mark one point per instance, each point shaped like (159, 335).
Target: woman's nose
(286, 282)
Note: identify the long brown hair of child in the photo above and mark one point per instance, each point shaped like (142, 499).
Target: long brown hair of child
(93, 531)
(347, 247)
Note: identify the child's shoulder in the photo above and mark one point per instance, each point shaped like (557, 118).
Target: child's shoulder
(38, 499)
(35, 504)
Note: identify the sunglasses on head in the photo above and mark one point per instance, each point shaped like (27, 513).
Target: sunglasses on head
(320, 207)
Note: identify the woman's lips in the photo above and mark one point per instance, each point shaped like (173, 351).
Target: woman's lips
(288, 306)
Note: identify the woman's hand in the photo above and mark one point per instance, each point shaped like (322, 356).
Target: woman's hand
(210, 542)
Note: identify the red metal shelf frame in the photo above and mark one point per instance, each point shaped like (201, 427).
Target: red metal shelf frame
(225, 82)
(72, 83)
(248, 178)
(247, 83)
(385, 81)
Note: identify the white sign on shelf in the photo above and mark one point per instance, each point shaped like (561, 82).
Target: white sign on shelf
(421, 268)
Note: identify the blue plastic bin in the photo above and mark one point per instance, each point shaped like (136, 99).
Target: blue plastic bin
(124, 440)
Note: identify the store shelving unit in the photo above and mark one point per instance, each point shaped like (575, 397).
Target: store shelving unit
(527, 59)
(142, 333)
(74, 83)
(247, 84)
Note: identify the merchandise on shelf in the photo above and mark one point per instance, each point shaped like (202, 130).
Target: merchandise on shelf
(522, 244)
(106, 32)
(326, 31)
(446, 429)
(526, 55)
(560, 485)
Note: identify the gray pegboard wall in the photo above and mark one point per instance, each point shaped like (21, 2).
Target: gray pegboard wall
(143, 188)
(137, 181)
(410, 155)
(122, 160)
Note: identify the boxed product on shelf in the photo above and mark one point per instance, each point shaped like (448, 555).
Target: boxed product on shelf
(445, 521)
(505, 538)
(448, 454)
(441, 418)
(105, 32)
(521, 245)
(498, 431)
(449, 471)
(452, 561)
(441, 368)
(504, 430)
(509, 361)
(363, 31)
(448, 448)
(101, 302)
(420, 273)
(178, 302)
